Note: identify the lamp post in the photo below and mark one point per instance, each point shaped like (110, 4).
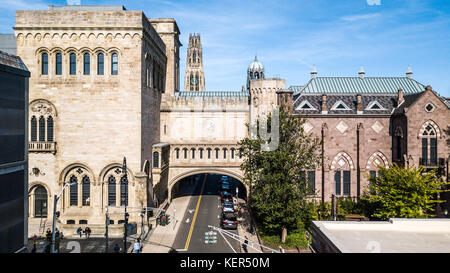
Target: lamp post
(124, 171)
(54, 214)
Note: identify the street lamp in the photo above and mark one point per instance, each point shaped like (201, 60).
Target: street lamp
(54, 213)
(124, 171)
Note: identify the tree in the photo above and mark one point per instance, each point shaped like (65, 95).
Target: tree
(277, 195)
(403, 192)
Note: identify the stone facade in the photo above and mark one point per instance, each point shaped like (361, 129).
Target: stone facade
(97, 118)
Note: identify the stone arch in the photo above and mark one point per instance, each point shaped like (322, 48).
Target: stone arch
(377, 158)
(67, 171)
(111, 167)
(118, 36)
(112, 50)
(35, 184)
(43, 107)
(342, 155)
(55, 36)
(83, 36)
(64, 36)
(433, 124)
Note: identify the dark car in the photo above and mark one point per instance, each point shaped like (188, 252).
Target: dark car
(228, 221)
(226, 197)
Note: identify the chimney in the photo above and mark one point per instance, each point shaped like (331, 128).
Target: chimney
(361, 72)
(428, 88)
(324, 104)
(284, 97)
(409, 73)
(314, 72)
(400, 98)
(359, 105)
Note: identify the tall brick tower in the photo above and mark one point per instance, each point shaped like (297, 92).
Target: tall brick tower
(194, 79)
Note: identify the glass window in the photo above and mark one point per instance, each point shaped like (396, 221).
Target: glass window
(433, 151)
(41, 128)
(114, 64)
(193, 153)
(87, 64)
(124, 191)
(337, 183)
(74, 191)
(111, 191)
(100, 64)
(86, 189)
(73, 64)
(50, 129)
(178, 153)
(33, 129)
(155, 160)
(346, 182)
(44, 64)
(424, 151)
(58, 67)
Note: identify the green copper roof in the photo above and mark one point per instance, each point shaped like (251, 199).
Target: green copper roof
(355, 85)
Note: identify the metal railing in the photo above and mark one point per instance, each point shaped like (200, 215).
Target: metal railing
(42, 146)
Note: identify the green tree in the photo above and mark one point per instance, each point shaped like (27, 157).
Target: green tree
(403, 193)
(277, 195)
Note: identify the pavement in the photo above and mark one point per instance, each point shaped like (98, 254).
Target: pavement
(163, 237)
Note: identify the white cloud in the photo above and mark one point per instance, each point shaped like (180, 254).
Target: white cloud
(360, 17)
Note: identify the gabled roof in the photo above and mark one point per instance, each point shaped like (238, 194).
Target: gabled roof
(355, 85)
(12, 61)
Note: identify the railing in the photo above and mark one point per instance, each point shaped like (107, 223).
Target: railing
(42, 147)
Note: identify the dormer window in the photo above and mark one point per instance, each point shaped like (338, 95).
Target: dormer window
(305, 105)
(375, 105)
(340, 105)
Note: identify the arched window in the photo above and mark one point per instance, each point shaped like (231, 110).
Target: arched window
(177, 151)
(114, 64)
(342, 166)
(86, 64)
(40, 202)
(124, 191)
(209, 153)
(41, 128)
(185, 153)
(232, 153)
(111, 191)
(86, 191)
(44, 68)
(100, 64)
(429, 146)
(201, 153)
(224, 153)
(33, 129)
(74, 191)
(217, 153)
(73, 64)
(58, 64)
(193, 153)
(155, 160)
(50, 129)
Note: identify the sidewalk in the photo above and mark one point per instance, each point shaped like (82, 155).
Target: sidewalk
(163, 237)
(243, 227)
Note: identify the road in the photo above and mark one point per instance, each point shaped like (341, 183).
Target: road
(204, 209)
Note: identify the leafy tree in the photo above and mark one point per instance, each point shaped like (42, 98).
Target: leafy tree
(403, 192)
(277, 195)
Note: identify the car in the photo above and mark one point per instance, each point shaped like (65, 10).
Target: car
(226, 187)
(228, 220)
(227, 206)
(226, 197)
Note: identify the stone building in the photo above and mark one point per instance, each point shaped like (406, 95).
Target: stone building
(194, 79)
(365, 122)
(97, 77)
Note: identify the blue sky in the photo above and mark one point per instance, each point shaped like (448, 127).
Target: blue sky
(290, 36)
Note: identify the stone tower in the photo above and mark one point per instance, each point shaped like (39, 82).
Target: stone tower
(255, 71)
(195, 78)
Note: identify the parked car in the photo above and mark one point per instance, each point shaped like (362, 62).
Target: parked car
(227, 206)
(228, 221)
(227, 197)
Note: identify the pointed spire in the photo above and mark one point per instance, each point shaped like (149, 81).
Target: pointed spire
(409, 72)
(361, 72)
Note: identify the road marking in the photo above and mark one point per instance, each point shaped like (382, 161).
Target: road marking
(186, 246)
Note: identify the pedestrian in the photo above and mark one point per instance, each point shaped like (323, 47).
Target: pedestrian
(33, 250)
(281, 249)
(117, 248)
(137, 246)
(57, 240)
(87, 231)
(244, 245)
(79, 231)
(48, 235)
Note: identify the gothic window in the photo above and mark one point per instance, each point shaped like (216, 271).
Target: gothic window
(217, 153)
(209, 153)
(44, 68)
(124, 191)
(86, 190)
(50, 129)
(111, 191)
(155, 160)
(73, 64)
(232, 153)
(100, 64)
(195, 57)
(41, 128)
(40, 202)
(58, 67)
(185, 153)
(177, 151)
(73, 191)
(193, 153)
(429, 146)
(86, 64)
(33, 129)
(310, 178)
(224, 153)
(342, 182)
(114, 64)
(201, 153)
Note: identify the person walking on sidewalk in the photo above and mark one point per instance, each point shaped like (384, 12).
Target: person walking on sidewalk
(117, 248)
(137, 246)
(79, 231)
(281, 249)
(87, 231)
(244, 245)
